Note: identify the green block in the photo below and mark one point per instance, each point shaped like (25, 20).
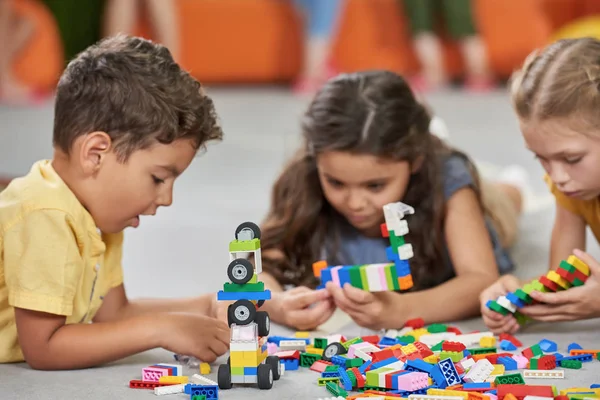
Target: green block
(482, 350)
(394, 274)
(248, 287)
(577, 282)
(437, 347)
(308, 359)
(396, 241)
(388, 279)
(523, 296)
(494, 306)
(533, 363)
(237, 370)
(437, 328)
(355, 278)
(350, 342)
(407, 339)
(254, 279)
(244, 245)
(455, 356)
(352, 378)
(331, 368)
(566, 266)
(363, 278)
(521, 319)
(536, 350)
(199, 397)
(354, 362)
(528, 288)
(536, 285)
(581, 396)
(320, 343)
(323, 381)
(336, 390)
(571, 364)
(511, 379)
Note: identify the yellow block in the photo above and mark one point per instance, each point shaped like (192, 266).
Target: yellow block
(575, 390)
(245, 358)
(302, 335)
(442, 392)
(315, 351)
(204, 368)
(580, 265)
(487, 341)
(173, 379)
(432, 359)
(417, 333)
(498, 369)
(409, 349)
(559, 280)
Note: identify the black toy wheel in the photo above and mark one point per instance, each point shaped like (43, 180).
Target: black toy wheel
(240, 271)
(264, 323)
(242, 312)
(247, 231)
(260, 303)
(333, 349)
(264, 376)
(224, 377)
(275, 364)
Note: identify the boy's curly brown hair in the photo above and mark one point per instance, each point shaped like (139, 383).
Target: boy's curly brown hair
(132, 89)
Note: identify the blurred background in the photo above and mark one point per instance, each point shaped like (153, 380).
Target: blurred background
(261, 61)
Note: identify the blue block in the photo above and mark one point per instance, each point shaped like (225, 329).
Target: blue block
(363, 368)
(344, 275)
(494, 392)
(391, 255)
(477, 386)
(395, 381)
(325, 276)
(329, 374)
(345, 379)
(278, 339)
(210, 391)
(558, 356)
(229, 296)
(547, 346)
(574, 346)
(438, 377)
(515, 300)
(250, 370)
(449, 371)
(402, 267)
(339, 360)
(172, 370)
(418, 365)
(386, 342)
(580, 357)
(507, 345)
(509, 363)
(291, 364)
(595, 386)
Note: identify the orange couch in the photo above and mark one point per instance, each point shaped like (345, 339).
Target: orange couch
(233, 41)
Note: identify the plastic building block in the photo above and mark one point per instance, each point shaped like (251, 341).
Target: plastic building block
(171, 389)
(479, 372)
(137, 384)
(547, 346)
(449, 372)
(507, 345)
(204, 368)
(571, 364)
(229, 296)
(202, 380)
(544, 374)
(173, 379)
(511, 379)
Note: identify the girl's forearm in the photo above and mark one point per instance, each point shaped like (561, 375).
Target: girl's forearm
(87, 345)
(198, 305)
(453, 300)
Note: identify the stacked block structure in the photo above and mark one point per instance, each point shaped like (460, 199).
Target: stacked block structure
(394, 275)
(249, 361)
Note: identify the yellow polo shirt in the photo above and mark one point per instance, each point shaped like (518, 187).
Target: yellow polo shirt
(589, 210)
(53, 258)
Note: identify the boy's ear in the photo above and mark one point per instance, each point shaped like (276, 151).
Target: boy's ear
(417, 164)
(95, 147)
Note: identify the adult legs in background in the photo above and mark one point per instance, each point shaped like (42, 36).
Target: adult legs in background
(460, 23)
(321, 18)
(121, 16)
(14, 34)
(421, 15)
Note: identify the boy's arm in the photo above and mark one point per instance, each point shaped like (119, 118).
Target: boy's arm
(117, 306)
(568, 234)
(49, 344)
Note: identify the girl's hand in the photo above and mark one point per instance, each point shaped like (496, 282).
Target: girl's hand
(375, 311)
(303, 308)
(497, 322)
(580, 302)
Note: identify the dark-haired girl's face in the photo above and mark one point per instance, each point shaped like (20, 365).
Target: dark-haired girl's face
(359, 185)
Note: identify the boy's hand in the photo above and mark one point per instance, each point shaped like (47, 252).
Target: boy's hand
(576, 303)
(304, 308)
(195, 335)
(370, 310)
(496, 322)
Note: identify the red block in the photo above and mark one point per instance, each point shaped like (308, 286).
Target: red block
(360, 380)
(547, 362)
(511, 338)
(460, 369)
(389, 378)
(454, 329)
(373, 339)
(453, 346)
(424, 350)
(384, 230)
(416, 323)
(385, 354)
(288, 354)
(553, 286)
(137, 384)
(520, 391)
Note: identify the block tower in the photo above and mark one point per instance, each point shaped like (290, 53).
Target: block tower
(248, 361)
(394, 275)
(570, 273)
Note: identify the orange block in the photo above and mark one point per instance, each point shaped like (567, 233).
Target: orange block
(318, 267)
(405, 282)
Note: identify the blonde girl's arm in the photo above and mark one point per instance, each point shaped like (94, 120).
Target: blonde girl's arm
(472, 255)
(568, 233)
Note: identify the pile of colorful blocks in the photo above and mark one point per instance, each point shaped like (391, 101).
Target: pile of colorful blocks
(437, 362)
(570, 273)
(394, 275)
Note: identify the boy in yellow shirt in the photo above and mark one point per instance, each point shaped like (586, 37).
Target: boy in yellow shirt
(128, 122)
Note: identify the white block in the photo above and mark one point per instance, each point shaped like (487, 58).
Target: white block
(467, 363)
(391, 333)
(405, 252)
(358, 353)
(197, 379)
(373, 277)
(244, 333)
(434, 338)
(479, 372)
(540, 398)
(292, 345)
(544, 374)
(470, 339)
(433, 397)
(243, 346)
(170, 389)
(504, 302)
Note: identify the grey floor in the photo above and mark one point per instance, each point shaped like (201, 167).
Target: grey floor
(183, 250)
